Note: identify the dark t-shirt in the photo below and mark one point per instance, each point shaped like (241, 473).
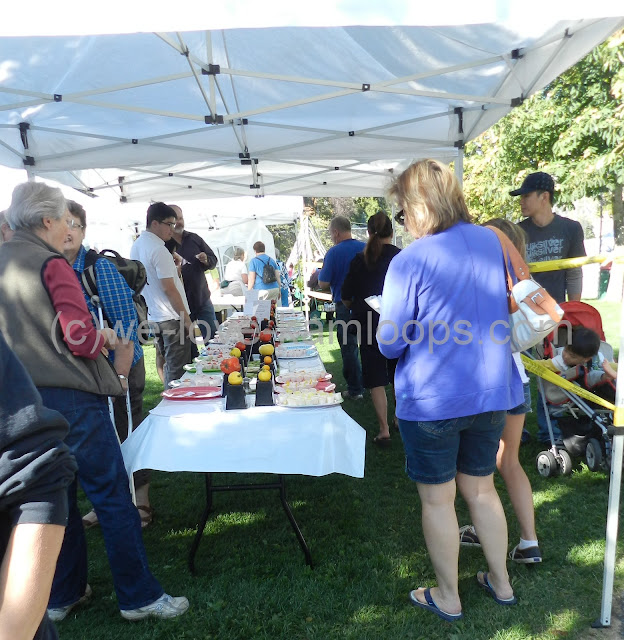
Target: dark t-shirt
(562, 238)
(193, 271)
(360, 283)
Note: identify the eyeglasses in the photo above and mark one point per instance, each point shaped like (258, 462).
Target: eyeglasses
(400, 218)
(74, 225)
(169, 224)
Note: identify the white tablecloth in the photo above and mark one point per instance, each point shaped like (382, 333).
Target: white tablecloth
(227, 301)
(202, 436)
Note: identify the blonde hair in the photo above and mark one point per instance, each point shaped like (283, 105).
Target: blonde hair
(431, 198)
(516, 234)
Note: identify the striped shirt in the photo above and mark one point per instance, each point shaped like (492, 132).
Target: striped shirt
(116, 298)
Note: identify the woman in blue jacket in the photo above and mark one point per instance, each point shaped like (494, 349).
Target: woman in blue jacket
(444, 316)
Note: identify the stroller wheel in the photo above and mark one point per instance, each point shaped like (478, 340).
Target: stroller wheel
(593, 455)
(546, 464)
(565, 462)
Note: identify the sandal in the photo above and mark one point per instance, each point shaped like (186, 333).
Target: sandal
(382, 441)
(148, 518)
(90, 520)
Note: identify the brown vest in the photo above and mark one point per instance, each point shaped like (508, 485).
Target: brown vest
(28, 322)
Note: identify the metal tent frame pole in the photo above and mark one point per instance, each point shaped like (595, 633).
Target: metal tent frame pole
(613, 509)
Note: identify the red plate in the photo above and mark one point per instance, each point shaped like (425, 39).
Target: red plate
(192, 393)
(325, 385)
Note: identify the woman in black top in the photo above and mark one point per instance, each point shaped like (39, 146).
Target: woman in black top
(366, 278)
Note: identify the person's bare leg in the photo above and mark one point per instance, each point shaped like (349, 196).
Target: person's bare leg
(516, 481)
(160, 365)
(142, 495)
(439, 523)
(489, 521)
(380, 402)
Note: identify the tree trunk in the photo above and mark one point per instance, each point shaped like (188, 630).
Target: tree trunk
(618, 215)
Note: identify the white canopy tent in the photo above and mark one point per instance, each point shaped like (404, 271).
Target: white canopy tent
(284, 110)
(233, 109)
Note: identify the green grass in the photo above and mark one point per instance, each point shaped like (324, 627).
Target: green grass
(368, 548)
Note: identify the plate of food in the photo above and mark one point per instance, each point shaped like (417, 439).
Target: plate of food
(206, 367)
(308, 399)
(192, 393)
(293, 351)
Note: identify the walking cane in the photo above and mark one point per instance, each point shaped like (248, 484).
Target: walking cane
(111, 411)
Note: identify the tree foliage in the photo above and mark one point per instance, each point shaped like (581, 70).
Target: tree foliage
(572, 129)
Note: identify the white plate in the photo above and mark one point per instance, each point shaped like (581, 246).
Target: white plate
(337, 402)
(297, 353)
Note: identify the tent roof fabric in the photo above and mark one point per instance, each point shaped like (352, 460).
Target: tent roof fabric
(329, 111)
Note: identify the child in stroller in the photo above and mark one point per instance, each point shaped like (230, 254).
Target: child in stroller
(586, 359)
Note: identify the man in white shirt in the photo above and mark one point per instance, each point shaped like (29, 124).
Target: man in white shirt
(167, 306)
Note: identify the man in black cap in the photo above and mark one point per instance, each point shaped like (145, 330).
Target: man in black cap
(550, 237)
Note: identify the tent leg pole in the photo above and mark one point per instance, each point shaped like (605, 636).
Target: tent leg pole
(613, 511)
(459, 165)
(615, 481)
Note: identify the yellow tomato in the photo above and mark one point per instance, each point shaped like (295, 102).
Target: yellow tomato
(235, 352)
(266, 349)
(264, 376)
(235, 378)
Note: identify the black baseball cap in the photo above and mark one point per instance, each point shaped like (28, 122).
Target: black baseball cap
(538, 181)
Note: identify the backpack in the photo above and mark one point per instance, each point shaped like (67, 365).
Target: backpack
(132, 271)
(268, 272)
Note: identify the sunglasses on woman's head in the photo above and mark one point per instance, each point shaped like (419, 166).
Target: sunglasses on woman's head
(400, 218)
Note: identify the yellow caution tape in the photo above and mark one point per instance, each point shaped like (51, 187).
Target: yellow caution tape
(567, 263)
(534, 366)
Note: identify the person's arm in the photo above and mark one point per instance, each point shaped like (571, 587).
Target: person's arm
(73, 315)
(175, 299)
(610, 370)
(251, 276)
(26, 578)
(325, 274)
(399, 307)
(206, 255)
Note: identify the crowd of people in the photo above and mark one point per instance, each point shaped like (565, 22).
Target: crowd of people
(439, 341)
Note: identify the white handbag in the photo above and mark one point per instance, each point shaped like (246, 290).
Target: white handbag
(533, 312)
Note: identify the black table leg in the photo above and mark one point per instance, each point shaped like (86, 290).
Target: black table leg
(302, 543)
(202, 523)
(210, 488)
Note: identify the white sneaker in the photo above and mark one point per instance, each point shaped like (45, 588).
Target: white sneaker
(165, 607)
(60, 613)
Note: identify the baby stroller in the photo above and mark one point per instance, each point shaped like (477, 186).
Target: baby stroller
(584, 424)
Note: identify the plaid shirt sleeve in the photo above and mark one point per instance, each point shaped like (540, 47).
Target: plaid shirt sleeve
(117, 303)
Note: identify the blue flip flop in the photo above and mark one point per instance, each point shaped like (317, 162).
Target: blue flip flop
(430, 605)
(488, 587)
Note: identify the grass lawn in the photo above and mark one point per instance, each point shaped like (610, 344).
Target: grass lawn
(368, 548)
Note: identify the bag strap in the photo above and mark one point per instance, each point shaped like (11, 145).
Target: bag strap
(541, 302)
(507, 246)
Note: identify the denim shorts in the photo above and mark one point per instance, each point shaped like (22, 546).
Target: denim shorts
(435, 451)
(525, 407)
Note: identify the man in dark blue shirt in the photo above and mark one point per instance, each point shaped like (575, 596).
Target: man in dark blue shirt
(332, 275)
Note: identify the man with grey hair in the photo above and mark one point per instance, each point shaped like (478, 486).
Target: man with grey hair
(6, 233)
(335, 268)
